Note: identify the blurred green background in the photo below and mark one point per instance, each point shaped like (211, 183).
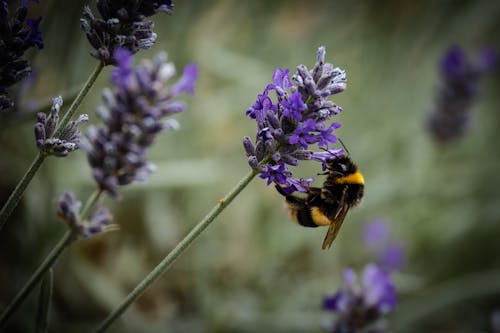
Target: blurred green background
(254, 269)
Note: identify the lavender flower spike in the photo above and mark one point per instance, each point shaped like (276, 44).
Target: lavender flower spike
(133, 115)
(69, 212)
(122, 25)
(459, 88)
(68, 140)
(17, 35)
(292, 120)
(359, 305)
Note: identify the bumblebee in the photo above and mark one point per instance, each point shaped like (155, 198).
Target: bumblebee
(328, 205)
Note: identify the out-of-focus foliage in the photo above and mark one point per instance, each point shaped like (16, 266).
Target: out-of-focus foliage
(254, 269)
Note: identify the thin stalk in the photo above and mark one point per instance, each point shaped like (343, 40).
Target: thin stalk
(176, 252)
(35, 278)
(49, 261)
(90, 203)
(79, 98)
(18, 192)
(44, 298)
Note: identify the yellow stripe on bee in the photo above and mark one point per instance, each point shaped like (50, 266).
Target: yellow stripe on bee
(319, 218)
(353, 178)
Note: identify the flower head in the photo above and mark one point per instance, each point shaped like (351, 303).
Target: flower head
(361, 304)
(17, 35)
(69, 212)
(45, 127)
(133, 114)
(122, 25)
(389, 252)
(291, 115)
(457, 91)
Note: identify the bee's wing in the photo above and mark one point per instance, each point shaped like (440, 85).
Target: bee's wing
(334, 227)
(337, 220)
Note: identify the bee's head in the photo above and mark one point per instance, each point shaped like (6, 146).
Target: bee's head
(341, 166)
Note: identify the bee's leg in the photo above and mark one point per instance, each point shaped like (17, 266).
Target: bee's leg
(314, 193)
(280, 190)
(314, 190)
(327, 195)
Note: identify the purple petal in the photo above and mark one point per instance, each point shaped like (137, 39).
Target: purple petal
(187, 81)
(378, 288)
(34, 36)
(124, 67)
(375, 233)
(453, 61)
(281, 78)
(392, 257)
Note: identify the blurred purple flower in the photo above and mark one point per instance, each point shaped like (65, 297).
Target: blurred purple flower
(69, 212)
(361, 304)
(292, 120)
(124, 67)
(17, 35)
(375, 233)
(133, 116)
(459, 88)
(187, 81)
(388, 252)
(393, 256)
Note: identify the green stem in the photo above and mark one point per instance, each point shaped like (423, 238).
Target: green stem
(35, 278)
(90, 203)
(176, 252)
(16, 195)
(49, 261)
(42, 315)
(18, 192)
(79, 98)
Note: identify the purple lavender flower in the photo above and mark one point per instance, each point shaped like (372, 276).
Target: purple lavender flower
(69, 212)
(133, 114)
(375, 233)
(389, 253)
(392, 256)
(45, 127)
(16, 36)
(457, 92)
(297, 185)
(359, 305)
(275, 173)
(122, 25)
(292, 119)
(294, 106)
(324, 156)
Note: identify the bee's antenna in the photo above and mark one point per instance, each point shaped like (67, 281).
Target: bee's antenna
(343, 146)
